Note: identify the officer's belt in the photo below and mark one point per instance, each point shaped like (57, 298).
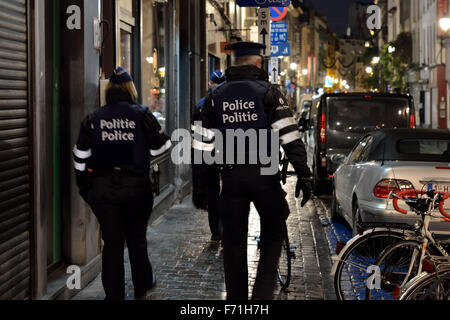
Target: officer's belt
(229, 167)
(115, 170)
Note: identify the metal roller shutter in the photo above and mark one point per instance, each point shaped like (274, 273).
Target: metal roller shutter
(15, 197)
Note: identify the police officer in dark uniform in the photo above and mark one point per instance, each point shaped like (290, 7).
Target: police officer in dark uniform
(248, 101)
(216, 79)
(112, 160)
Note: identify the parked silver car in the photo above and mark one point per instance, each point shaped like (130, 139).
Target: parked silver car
(387, 160)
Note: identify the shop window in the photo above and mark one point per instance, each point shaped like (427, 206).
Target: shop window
(154, 41)
(125, 50)
(127, 24)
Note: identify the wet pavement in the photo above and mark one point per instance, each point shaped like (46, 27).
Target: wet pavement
(189, 266)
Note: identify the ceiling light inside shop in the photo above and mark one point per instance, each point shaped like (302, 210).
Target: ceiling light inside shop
(293, 66)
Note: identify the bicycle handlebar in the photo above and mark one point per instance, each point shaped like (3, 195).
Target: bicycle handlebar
(401, 195)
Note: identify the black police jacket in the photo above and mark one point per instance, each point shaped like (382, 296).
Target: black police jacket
(249, 101)
(119, 138)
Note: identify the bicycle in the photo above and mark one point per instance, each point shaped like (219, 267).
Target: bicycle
(284, 265)
(402, 261)
(430, 286)
(288, 250)
(287, 255)
(354, 258)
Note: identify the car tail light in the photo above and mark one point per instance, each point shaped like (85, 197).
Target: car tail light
(384, 188)
(323, 128)
(412, 121)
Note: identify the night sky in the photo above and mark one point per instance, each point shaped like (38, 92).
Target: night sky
(336, 11)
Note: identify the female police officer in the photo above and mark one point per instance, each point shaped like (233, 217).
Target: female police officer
(112, 159)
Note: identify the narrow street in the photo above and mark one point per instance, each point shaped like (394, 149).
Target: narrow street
(104, 103)
(190, 267)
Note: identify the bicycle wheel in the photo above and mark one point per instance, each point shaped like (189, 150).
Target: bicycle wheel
(284, 263)
(350, 277)
(397, 264)
(432, 286)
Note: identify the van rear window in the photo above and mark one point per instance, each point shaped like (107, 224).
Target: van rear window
(358, 114)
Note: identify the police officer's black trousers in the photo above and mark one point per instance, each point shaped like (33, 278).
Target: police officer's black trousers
(215, 222)
(120, 223)
(241, 186)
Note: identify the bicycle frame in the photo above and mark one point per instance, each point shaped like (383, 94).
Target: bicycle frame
(426, 238)
(424, 276)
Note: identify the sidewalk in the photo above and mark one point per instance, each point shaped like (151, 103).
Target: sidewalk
(189, 267)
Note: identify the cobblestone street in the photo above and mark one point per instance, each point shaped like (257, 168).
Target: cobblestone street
(189, 267)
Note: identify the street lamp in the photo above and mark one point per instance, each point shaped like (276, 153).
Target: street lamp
(445, 23)
(375, 60)
(369, 70)
(305, 72)
(293, 66)
(391, 49)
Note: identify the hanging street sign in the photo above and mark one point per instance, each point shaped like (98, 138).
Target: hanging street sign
(281, 50)
(264, 3)
(278, 32)
(274, 69)
(264, 29)
(278, 14)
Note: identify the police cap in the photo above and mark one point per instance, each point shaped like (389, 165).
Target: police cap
(120, 76)
(246, 48)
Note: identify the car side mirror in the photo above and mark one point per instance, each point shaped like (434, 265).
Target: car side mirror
(338, 158)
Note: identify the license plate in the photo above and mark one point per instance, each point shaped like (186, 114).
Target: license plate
(442, 187)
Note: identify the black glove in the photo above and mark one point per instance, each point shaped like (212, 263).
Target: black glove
(200, 200)
(303, 185)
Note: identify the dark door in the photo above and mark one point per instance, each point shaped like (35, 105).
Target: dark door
(15, 178)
